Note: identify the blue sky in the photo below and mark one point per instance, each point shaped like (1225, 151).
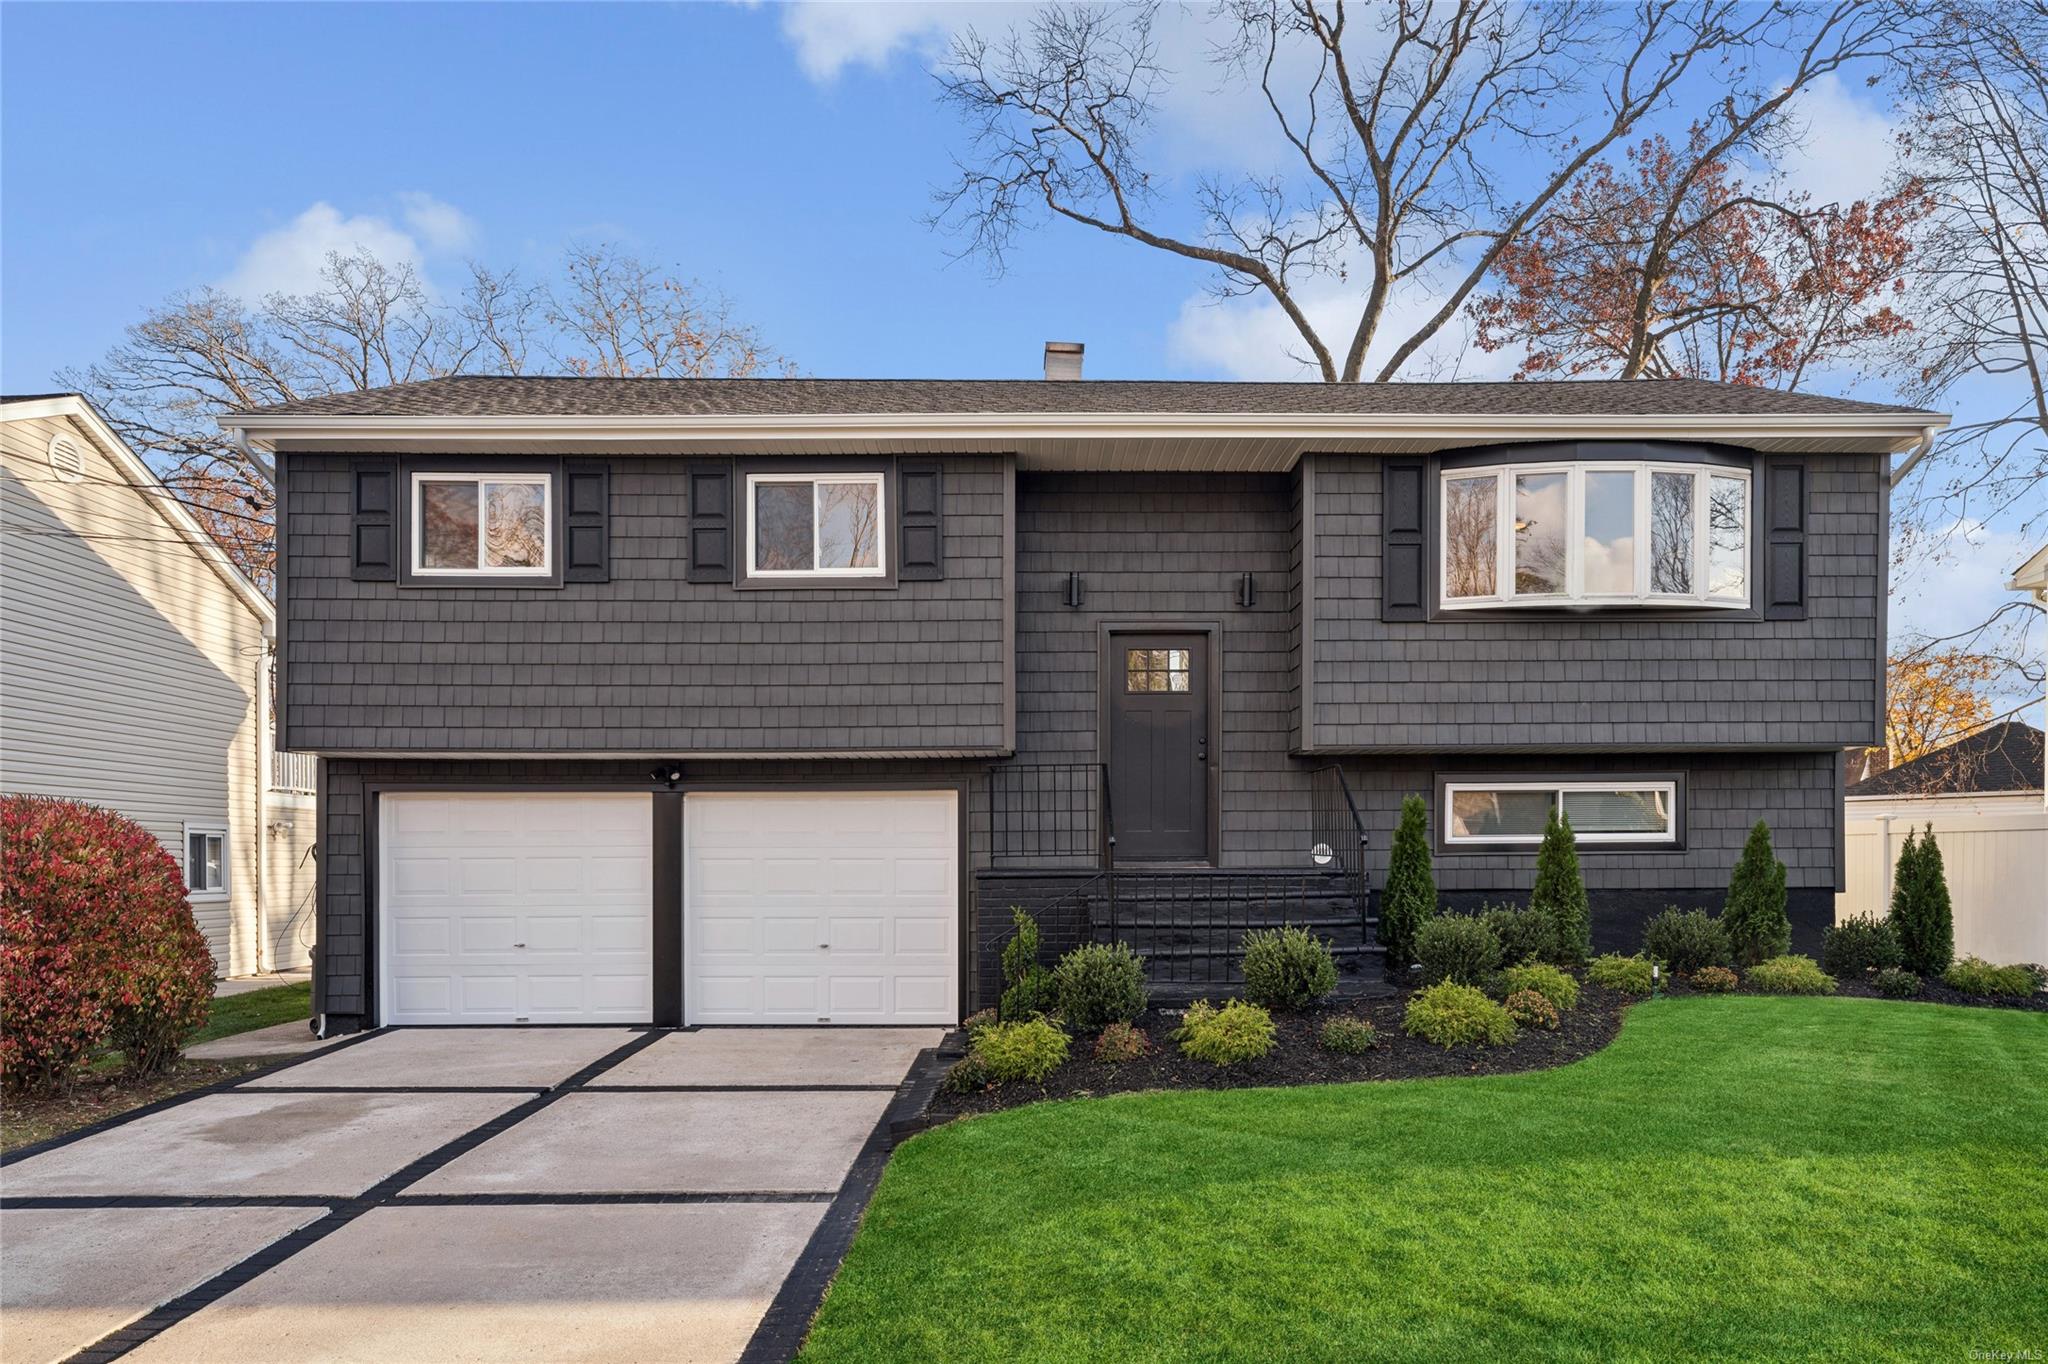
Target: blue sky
(783, 153)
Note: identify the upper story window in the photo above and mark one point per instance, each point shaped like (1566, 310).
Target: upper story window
(484, 524)
(1595, 534)
(816, 526)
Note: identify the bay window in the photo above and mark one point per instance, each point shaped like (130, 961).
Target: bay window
(1559, 534)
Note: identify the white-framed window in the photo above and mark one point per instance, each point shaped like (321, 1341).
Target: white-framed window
(1614, 811)
(482, 525)
(816, 526)
(206, 861)
(1615, 534)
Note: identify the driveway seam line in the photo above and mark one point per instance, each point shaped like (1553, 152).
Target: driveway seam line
(742, 1089)
(342, 1212)
(21, 1153)
(784, 1326)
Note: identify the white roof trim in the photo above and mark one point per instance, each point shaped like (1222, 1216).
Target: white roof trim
(144, 480)
(1895, 431)
(2032, 576)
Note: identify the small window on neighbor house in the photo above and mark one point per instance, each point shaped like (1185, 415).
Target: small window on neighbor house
(1150, 670)
(1600, 812)
(206, 861)
(482, 524)
(810, 525)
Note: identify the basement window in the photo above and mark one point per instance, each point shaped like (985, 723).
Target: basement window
(1507, 814)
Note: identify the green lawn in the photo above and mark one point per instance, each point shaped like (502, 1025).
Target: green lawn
(256, 1009)
(1734, 1178)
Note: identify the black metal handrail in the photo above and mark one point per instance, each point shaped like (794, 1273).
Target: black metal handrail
(1339, 833)
(1047, 814)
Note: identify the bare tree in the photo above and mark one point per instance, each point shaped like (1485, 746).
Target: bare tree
(1978, 140)
(1402, 139)
(372, 323)
(617, 317)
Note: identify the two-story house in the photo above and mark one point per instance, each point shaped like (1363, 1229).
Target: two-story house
(760, 701)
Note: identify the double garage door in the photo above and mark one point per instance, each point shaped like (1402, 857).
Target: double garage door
(801, 906)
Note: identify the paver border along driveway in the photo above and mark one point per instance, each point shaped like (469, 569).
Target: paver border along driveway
(562, 1194)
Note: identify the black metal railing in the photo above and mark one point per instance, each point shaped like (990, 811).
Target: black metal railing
(1189, 925)
(1339, 832)
(1048, 815)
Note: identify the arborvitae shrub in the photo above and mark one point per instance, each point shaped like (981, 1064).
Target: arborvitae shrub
(1922, 919)
(1409, 899)
(1560, 893)
(1755, 913)
(1028, 988)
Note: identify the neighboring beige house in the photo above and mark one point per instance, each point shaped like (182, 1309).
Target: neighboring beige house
(2032, 577)
(135, 668)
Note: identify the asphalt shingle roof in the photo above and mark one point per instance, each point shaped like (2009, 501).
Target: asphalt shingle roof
(2004, 757)
(529, 396)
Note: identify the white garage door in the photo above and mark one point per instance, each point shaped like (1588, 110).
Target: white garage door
(516, 908)
(821, 907)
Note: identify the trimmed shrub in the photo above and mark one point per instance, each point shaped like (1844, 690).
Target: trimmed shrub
(1122, 1042)
(1755, 913)
(1685, 940)
(1457, 947)
(1028, 989)
(1857, 946)
(1560, 893)
(1976, 976)
(1349, 1036)
(1543, 978)
(1450, 1015)
(1630, 975)
(968, 1076)
(1029, 1050)
(97, 944)
(1894, 983)
(1234, 1033)
(1409, 900)
(1713, 980)
(1922, 919)
(1790, 976)
(1098, 984)
(1532, 1010)
(1525, 934)
(1287, 968)
(975, 1022)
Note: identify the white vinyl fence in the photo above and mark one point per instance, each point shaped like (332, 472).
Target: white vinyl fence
(1994, 849)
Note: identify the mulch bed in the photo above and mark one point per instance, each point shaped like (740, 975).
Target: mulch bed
(1299, 1059)
(95, 1098)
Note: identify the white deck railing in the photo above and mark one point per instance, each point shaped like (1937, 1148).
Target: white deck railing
(292, 772)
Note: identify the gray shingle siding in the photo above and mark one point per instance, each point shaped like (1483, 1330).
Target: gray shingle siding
(1705, 681)
(1161, 548)
(646, 662)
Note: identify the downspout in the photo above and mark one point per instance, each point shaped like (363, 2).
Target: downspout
(263, 791)
(1918, 453)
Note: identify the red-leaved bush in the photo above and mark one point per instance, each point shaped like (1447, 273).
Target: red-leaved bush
(97, 944)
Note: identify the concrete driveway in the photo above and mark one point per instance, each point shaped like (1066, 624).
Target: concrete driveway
(487, 1194)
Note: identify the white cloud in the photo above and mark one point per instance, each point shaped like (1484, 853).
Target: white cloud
(441, 227)
(1848, 147)
(288, 259)
(1252, 337)
(831, 35)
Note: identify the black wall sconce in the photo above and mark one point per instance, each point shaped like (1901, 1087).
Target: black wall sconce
(1076, 594)
(1247, 591)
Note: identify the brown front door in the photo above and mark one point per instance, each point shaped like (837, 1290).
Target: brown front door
(1158, 708)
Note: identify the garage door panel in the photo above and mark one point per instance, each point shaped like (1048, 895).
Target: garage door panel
(467, 879)
(769, 877)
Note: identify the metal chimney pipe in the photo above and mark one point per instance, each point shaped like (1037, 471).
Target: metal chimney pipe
(1063, 359)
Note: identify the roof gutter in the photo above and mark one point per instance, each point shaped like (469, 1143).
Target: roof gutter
(1927, 434)
(1900, 431)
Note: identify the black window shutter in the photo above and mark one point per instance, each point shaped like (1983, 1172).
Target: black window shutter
(373, 523)
(711, 529)
(586, 521)
(1784, 526)
(1402, 539)
(921, 555)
